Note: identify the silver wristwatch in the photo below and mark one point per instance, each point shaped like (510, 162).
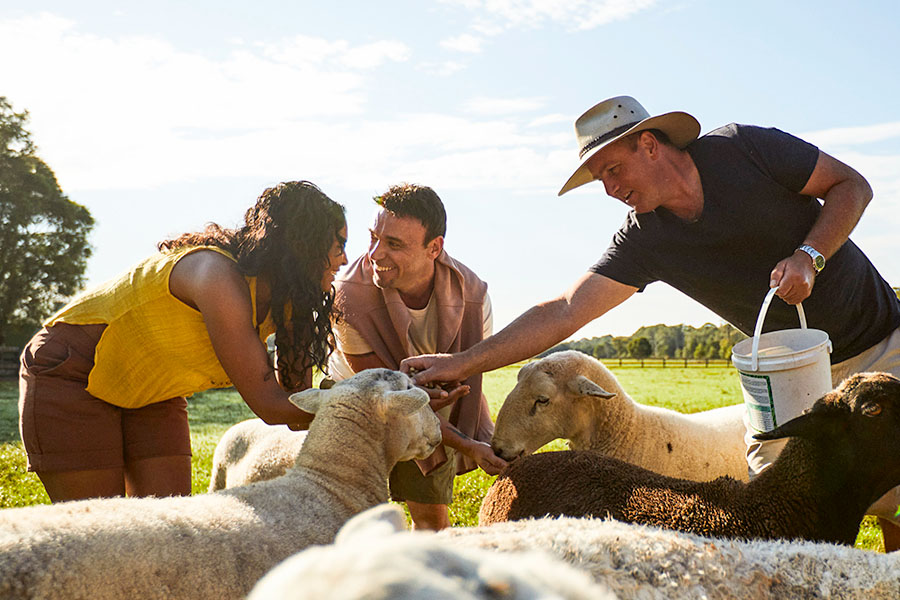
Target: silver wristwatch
(815, 255)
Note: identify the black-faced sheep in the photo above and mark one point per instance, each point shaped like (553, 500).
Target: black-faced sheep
(218, 545)
(841, 457)
(573, 396)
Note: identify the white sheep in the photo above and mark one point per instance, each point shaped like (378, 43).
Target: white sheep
(253, 450)
(218, 545)
(573, 396)
(840, 458)
(643, 562)
(375, 557)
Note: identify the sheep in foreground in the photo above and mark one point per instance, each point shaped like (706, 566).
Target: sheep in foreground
(573, 396)
(841, 458)
(218, 545)
(641, 562)
(252, 451)
(375, 557)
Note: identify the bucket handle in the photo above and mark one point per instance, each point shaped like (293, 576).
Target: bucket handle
(754, 358)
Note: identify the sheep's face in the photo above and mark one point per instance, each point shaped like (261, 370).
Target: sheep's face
(552, 399)
(413, 430)
(422, 434)
(379, 396)
(874, 400)
(859, 422)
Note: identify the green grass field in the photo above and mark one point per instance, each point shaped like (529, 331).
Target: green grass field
(689, 389)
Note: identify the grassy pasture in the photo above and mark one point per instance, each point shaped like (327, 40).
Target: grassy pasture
(687, 390)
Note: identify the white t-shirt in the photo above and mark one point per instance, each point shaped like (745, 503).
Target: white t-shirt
(422, 337)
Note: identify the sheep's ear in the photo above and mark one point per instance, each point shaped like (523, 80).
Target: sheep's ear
(376, 522)
(310, 400)
(524, 371)
(819, 421)
(582, 386)
(407, 401)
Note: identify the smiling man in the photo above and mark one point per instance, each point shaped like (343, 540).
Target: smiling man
(407, 296)
(723, 218)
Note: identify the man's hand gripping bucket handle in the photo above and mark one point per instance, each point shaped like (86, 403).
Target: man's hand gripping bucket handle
(754, 354)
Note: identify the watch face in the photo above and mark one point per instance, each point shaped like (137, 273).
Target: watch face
(819, 262)
(815, 255)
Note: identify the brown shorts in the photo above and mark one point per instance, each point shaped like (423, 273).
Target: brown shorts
(66, 429)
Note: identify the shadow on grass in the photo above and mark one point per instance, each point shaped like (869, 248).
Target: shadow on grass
(9, 411)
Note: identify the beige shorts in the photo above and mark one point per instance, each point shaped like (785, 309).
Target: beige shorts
(883, 356)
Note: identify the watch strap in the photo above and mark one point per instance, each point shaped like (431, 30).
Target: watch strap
(816, 256)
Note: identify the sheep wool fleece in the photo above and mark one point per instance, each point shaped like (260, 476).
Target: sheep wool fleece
(216, 546)
(641, 562)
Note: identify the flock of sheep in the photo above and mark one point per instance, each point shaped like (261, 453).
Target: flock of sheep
(305, 515)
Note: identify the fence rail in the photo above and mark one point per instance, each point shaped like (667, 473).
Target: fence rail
(666, 362)
(9, 362)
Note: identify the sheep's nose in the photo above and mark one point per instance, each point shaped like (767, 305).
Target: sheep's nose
(504, 453)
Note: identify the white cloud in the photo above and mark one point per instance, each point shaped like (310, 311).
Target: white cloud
(497, 15)
(551, 119)
(369, 56)
(465, 42)
(308, 52)
(851, 136)
(502, 106)
(136, 111)
(442, 69)
(591, 15)
(126, 112)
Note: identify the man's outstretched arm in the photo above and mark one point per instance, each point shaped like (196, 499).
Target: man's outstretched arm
(540, 327)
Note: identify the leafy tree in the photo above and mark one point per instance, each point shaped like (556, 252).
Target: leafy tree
(43, 234)
(604, 348)
(639, 347)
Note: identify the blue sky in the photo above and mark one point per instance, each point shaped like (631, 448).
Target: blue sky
(160, 117)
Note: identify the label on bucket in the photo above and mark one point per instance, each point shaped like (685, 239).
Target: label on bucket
(759, 400)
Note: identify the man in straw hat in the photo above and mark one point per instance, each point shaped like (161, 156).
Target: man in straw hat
(722, 218)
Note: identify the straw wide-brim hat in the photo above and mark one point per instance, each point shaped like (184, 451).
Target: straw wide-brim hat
(617, 117)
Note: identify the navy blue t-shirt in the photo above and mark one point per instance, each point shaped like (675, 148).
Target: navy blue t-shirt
(753, 217)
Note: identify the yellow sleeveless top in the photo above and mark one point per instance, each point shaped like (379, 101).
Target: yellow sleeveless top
(155, 346)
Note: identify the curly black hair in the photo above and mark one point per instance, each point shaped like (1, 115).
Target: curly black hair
(286, 240)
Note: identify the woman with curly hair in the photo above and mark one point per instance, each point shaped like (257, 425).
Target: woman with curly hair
(103, 385)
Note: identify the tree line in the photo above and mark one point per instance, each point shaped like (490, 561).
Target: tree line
(661, 341)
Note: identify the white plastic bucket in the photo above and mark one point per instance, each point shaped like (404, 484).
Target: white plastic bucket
(782, 372)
